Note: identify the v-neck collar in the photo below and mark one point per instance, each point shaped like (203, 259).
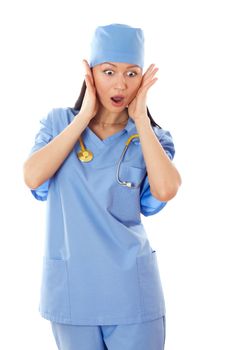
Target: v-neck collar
(108, 140)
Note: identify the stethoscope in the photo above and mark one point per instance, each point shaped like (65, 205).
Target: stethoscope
(85, 155)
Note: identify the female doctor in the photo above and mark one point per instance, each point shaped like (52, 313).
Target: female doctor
(100, 165)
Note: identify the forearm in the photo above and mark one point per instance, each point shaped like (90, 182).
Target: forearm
(43, 163)
(164, 178)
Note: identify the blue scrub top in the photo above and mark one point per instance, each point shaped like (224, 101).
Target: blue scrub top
(98, 265)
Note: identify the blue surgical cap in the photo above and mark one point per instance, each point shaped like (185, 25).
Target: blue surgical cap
(117, 43)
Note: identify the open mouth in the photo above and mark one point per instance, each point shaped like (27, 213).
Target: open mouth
(117, 100)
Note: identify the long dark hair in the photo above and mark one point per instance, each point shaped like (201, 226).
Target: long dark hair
(78, 104)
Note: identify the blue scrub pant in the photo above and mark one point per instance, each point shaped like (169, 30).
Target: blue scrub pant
(139, 336)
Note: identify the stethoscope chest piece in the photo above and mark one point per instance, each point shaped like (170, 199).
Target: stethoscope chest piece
(84, 155)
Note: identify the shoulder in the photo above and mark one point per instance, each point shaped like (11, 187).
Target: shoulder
(60, 117)
(57, 119)
(60, 113)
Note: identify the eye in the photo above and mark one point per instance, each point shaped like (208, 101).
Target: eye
(132, 72)
(107, 70)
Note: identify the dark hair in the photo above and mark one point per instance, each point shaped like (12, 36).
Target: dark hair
(78, 105)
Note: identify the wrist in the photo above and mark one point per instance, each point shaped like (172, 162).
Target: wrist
(81, 119)
(144, 120)
(82, 116)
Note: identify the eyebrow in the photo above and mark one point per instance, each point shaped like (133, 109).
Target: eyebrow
(116, 66)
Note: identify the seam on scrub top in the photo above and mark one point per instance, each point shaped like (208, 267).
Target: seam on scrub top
(141, 297)
(67, 271)
(61, 319)
(98, 321)
(68, 280)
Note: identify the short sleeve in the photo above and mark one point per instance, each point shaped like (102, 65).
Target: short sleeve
(150, 205)
(42, 137)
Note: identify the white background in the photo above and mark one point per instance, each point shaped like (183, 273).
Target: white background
(192, 43)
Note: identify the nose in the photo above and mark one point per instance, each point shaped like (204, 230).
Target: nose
(120, 82)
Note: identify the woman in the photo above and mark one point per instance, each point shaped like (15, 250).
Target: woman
(101, 286)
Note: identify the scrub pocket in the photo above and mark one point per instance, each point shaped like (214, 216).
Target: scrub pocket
(54, 289)
(151, 293)
(131, 173)
(125, 201)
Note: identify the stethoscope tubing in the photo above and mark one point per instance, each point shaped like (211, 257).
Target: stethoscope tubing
(122, 183)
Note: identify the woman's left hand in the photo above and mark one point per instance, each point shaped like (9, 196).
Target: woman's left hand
(137, 108)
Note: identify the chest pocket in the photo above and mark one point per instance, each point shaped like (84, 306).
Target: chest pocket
(124, 202)
(131, 173)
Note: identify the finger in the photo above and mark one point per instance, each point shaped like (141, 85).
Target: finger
(143, 90)
(150, 82)
(88, 70)
(89, 84)
(149, 78)
(149, 75)
(86, 65)
(150, 72)
(149, 68)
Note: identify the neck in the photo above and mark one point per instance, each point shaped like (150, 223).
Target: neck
(106, 117)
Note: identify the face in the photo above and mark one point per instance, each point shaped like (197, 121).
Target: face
(116, 78)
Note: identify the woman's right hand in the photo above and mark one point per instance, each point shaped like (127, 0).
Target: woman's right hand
(90, 103)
